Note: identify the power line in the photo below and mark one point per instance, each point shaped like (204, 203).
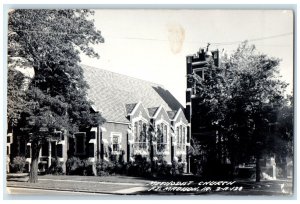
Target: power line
(161, 40)
(212, 43)
(254, 39)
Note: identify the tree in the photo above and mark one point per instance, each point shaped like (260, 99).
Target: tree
(238, 101)
(280, 142)
(15, 96)
(49, 42)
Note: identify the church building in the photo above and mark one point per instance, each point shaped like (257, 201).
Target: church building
(141, 118)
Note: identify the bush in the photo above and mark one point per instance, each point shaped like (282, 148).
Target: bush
(140, 167)
(163, 168)
(181, 167)
(87, 168)
(18, 164)
(144, 166)
(73, 164)
(105, 168)
(177, 168)
(55, 168)
(76, 166)
(119, 168)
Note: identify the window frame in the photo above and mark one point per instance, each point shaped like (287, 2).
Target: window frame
(140, 145)
(181, 140)
(84, 145)
(164, 126)
(201, 71)
(136, 129)
(119, 135)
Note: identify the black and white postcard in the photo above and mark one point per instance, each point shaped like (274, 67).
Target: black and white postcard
(150, 102)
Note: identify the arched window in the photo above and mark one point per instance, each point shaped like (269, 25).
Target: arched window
(144, 132)
(159, 134)
(165, 134)
(143, 136)
(140, 131)
(162, 134)
(140, 135)
(180, 135)
(136, 135)
(183, 138)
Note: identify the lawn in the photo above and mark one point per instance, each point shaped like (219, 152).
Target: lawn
(105, 184)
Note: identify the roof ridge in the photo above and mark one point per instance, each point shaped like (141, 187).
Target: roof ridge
(162, 86)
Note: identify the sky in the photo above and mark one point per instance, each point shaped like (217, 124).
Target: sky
(153, 44)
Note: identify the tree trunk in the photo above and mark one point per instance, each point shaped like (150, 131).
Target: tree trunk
(33, 175)
(257, 167)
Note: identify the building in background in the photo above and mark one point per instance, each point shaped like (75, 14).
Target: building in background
(198, 66)
(209, 144)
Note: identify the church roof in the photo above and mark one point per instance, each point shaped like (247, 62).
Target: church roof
(172, 114)
(152, 111)
(129, 107)
(115, 95)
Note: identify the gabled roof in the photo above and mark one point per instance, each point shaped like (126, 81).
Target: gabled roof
(114, 94)
(152, 111)
(129, 107)
(172, 114)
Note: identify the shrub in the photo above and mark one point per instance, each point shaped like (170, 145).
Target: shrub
(87, 168)
(105, 168)
(18, 164)
(144, 166)
(140, 167)
(73, 164)
(119, 168)
(174, 169)
(56, 167)
(163, 168)
(181, 167)
(177, 168)
(76, 166)
(130, 168)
